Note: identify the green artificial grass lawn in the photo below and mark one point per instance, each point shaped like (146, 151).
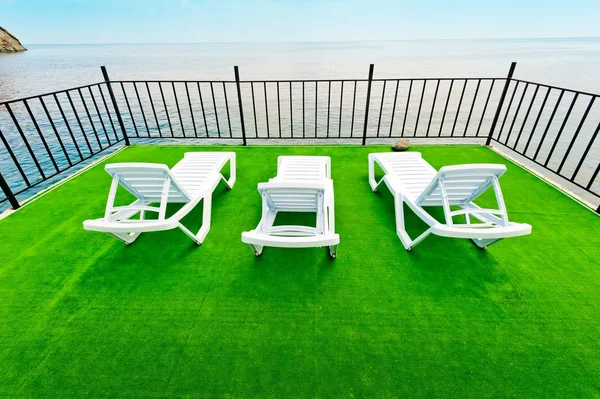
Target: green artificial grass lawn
(83, 315)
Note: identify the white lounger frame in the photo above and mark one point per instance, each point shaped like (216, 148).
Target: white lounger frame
(414, 182)
(303, 184)
(193, 179)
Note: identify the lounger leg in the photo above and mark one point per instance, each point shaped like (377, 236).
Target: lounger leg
(232, 177)
(372, 182)
(127, 238)
(407, 242)
(201, 235)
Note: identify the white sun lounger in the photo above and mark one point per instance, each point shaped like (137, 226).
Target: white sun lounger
(415, 182)
(194, 178)
(302, 184)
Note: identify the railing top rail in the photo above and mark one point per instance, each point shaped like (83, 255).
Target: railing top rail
(169, 81)
(49, 93)
(557, 87)
(299, 80)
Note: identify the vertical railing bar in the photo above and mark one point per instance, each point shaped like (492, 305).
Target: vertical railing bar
(406, 110)
(562, 127)
(9, 194)
(187, 93)
(368, 102)
(79, 122)
(162, 95)
(212, 92)
(20, 130)
(291, 113)
(316, 104)
(485, 107)
(585, 153)
(353, 109)
(39, 132)
(227, 109)
(420, 107)
(537, 119)
(254, 109)
(137, 94)
(585, 114)
(537, 87)
(394, 107)
(341, 104)
(178, 109)
(328, 107)
(381, 107)
(14, 158)
(279, 109)
(115, 105)
(516, 114)
(266, 109)
(548, 125)
(437, 86)
(154, 110)
(511, 70)
(303, 113)
(472, 106)
(202, 106)
(512, 97)
(236, 73)
(108, 113)
(462, 95)
(128, 108)
(98, 114)
(60, 141)
(589, 185)
(62, 113)
(446, 107)
(89, 116)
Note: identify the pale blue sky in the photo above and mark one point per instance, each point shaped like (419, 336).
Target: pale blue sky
(181, 21)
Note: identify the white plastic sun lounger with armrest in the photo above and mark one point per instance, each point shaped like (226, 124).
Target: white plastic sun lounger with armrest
(192, 179)
(302, 184)
(415, 182)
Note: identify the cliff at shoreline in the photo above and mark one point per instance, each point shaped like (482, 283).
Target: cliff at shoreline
(9, 43)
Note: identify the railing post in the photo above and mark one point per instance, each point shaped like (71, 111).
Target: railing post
(364, 139)
(504, 91)
(239, 96)
(114, 102)
(8, 192)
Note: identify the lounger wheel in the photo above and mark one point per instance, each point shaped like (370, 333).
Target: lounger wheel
(333, 251)
(257, 249)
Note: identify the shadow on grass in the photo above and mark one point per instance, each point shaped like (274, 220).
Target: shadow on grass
(440, 266)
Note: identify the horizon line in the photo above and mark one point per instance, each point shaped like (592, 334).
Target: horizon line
(321, 41)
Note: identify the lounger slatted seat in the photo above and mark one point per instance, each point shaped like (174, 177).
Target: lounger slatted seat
(302, 184)
(191, 180)
(415, 182)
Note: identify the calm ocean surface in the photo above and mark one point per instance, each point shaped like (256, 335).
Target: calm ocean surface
(569, 63)
(572, 63)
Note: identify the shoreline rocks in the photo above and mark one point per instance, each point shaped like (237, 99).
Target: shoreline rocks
(9, 43)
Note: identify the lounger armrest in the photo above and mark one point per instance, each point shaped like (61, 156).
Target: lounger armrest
(491, 168)
(130, 226)
(322, 240)
(113, 168)
(497, 232)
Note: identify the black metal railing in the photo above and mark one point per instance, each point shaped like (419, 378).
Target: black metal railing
(555, 128)
(46, 135)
